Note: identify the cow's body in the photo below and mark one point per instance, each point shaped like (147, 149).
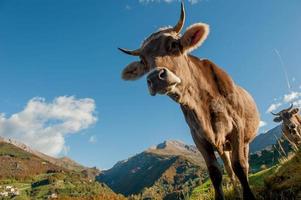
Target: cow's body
(221, 115)
(215, 108)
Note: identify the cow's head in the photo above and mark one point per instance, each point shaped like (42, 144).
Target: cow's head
(163, 57)
(291, 125)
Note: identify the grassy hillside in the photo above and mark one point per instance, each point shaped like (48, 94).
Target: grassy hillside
(70, 185)
(280, 182)
(63, 162)
(20, 164)
(286, 181)
(32, 177)
(269, 156)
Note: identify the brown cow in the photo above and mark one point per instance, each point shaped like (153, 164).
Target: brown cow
(221, 115)
(291, 126)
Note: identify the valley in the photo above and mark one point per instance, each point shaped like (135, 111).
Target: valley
(171, 170)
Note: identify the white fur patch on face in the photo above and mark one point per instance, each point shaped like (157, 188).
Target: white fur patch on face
(171, 81)
(162, 31)
(174, 78)
(171, 76)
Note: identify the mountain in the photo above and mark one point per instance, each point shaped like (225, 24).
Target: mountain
(63, 162)
(170, 169)
(178, 148)
(265, 139)
(29, 174)
(270, 155)
(20, 164)
(167, 171)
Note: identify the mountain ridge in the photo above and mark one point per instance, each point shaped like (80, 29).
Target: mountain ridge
(161, 171)
(64, 161)
(266, 139)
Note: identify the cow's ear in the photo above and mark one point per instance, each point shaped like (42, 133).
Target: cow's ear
(134, 71)
(194, 36)
(295, 111)
(277, 119)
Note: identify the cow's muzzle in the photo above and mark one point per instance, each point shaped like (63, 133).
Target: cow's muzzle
(162, 81)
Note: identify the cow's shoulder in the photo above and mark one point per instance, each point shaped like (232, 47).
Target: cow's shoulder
(224, 83)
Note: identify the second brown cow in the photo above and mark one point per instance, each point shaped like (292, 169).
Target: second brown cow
(291, 125)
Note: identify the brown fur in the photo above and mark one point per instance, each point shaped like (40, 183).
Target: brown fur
(289, 118)
(222, 116)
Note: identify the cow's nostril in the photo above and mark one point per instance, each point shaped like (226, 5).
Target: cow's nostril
(162, 74)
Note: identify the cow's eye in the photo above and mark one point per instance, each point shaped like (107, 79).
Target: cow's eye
(173, 46)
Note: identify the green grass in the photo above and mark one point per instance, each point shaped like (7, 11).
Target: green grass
(71, 184)
(286, 181)
(10, 150)
(283, 179)
(24, 188)
(257, 180)
(206, 192)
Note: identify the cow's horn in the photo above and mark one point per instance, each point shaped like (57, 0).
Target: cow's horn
(129, 52)
(288, 109)
(177, 28)
(276, 114)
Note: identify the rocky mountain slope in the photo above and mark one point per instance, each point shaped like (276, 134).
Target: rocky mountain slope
(64, 162)
(265, 139)
(19, 164)
(168, 171)
(33, 176)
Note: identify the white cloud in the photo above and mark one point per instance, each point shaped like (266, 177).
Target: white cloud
(262, 124)
(291, 96)
(273, 107)
(167, 1)
(43, 126)
(93, 139)
(297, 103)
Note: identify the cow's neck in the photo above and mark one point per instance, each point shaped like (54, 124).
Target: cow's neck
(195, 99)
(197, 92)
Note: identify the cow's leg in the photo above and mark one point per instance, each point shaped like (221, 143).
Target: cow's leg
(240, 165)
(215, 173)
(246, 153)
(228, 167)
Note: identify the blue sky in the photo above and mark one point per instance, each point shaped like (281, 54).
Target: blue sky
(65, 53)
